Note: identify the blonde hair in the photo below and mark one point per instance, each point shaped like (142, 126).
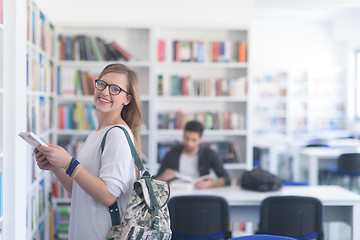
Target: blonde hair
(131, 113)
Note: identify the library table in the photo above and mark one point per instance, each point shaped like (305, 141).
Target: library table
(310, 160)
(340, 205)
(294, 147)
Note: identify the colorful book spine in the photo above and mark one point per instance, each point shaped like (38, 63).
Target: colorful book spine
(160, 87)
(77, 116)
(90, 48)
(126, 55)
(243, 52)
(161, 50)
(226, 120)
(211, 51)
(176, 85)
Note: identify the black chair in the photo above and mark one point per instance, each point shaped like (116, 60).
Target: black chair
(348, 165)
(199, 217)
(256, 157)
(262, 237)
(319, 144)
(292, 216)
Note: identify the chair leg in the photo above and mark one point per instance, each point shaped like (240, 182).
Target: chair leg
(332, 179)
(327, 178)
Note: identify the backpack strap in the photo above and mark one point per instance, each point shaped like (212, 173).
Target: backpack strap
(154, 204)
(138, 162)
(114, 208)
(114, 214)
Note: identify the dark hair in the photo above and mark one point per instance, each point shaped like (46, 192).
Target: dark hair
(194, 126)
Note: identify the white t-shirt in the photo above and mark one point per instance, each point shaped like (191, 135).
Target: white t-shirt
(90, 219)
(189, 165)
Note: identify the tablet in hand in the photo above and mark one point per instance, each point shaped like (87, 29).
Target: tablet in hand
(32, 139)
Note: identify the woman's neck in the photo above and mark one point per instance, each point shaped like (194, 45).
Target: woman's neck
(105, 121)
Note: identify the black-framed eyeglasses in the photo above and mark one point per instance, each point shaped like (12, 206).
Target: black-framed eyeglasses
(114, 89)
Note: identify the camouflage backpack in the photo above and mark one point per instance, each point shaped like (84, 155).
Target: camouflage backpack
(147, 214)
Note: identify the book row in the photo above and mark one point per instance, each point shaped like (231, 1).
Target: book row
(204, 51)
(38, 205)
(228, 152)
(40, 31)
(73, 147)
(176, 85)
(211, 120)
(61, 221)
(39, 110)
(39, 73)
(91, 48)
(76, 82)
(77, 116)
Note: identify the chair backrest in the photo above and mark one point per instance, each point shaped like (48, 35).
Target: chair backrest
(293, 216)
(199, 216)
(349, 163)
(256, 156)
(317, 145)
(262, 237)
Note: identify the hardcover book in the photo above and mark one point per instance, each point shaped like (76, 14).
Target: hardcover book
(122, 51)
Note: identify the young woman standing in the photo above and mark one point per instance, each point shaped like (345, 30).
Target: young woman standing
(97, 179)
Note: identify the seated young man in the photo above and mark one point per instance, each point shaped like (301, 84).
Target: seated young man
(193, 159)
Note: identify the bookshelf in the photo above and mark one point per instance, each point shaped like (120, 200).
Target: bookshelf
(145, 44)
(293, 102)
(2, 138)
(206, 71)
(327, 101)
(40, 92)
(13, 65)
(136, 41)
(316, 102)
(270, 103)
(72, 133)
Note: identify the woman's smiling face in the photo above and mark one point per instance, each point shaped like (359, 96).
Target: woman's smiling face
(105, 101)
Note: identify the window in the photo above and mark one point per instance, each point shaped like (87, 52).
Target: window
(357, 84)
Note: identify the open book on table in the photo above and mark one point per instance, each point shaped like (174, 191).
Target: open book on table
(188, 179)
(185, 183)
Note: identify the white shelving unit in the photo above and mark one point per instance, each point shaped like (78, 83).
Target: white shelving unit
(270, 103)
(326, 102)
(141, 43)
(291, 102)
(206, 70)
(2, 106)
(136, 40)
(13, 105)
(40, 73)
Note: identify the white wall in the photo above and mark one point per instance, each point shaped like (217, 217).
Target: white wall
(148, 12)
(347, 31)
(292, 44)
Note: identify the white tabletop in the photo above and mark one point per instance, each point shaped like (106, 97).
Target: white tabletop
(324, 152)
(340, 205)
(236, 195)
